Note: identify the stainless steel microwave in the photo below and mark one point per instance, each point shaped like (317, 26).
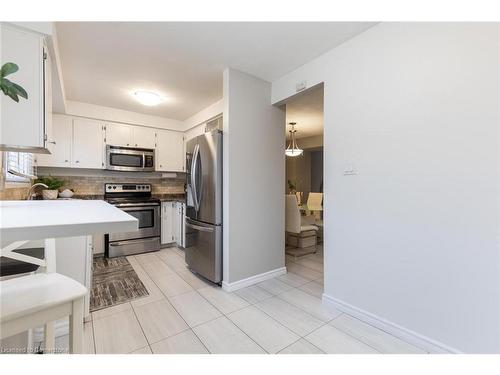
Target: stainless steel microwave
(130, 159)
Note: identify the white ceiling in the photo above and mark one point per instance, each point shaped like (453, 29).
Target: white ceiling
(102, 62)
(306, 110)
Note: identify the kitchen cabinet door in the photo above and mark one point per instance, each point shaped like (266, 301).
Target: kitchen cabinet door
(48, 128)
(167, 222)
(143, 137)
(60, 147)
(74, 260)
(23, 123)
(180, 226)
(169, 151)
(119, 135)
(88, 145)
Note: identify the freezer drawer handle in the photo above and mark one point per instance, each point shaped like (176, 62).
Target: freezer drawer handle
(200, 228)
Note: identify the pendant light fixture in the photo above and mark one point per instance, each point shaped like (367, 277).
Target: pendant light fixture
(292, 148)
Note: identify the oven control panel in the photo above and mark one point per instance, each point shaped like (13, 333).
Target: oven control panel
(127, 188)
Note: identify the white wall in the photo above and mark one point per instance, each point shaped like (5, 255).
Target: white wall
(194, 132)
(119, 115)
(310, 142)
(412, 239)
(254, 170)
(205, 114)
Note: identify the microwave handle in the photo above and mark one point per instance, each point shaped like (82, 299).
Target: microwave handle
(143, 160)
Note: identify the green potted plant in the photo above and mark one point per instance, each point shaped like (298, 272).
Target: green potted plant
(9, 88)
(53, 183)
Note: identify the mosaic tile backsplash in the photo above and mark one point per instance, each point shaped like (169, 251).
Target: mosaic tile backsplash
(95, 185)
(84, 186)
(14, 194)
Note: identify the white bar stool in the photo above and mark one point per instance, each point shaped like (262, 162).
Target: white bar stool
(31, 301)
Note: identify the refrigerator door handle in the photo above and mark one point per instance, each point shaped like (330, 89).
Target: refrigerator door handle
(194, 163)
(199, 227)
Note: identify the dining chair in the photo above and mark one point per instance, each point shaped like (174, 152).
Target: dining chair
(299, 195)
(302, 233)
(27, 302)
(315, 200)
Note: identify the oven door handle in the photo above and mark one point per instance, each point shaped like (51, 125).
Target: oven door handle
(119, 205)
(129, 242)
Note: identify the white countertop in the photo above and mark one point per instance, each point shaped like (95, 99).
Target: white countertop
(34, 220)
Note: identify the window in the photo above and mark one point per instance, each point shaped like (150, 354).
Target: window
(19, 167)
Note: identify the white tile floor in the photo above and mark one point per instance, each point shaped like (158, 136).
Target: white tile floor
(185, 314)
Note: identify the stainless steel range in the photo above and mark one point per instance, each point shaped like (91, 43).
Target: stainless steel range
(136, 200)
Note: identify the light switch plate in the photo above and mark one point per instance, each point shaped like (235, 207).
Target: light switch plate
(350, 170)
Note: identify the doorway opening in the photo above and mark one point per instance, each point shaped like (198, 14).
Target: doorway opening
(304, 187)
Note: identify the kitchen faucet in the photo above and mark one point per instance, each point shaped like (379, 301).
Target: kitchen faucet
(31, 191)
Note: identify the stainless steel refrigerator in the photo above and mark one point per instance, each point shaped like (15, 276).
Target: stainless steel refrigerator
(203, 246)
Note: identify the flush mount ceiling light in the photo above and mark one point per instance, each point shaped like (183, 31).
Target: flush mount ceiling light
(293, 149)
(148, 98)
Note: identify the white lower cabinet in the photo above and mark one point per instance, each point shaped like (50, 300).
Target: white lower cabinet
(98, 244)
(181, 226)
(167, 222)
(74, 259)
(172, 223)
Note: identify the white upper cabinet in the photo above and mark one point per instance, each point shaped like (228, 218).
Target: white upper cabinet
(130, 135)
(25, 124)
(143, 137)
(88, 144)
(60, 149)
(119, 135)
(81, 143)
(169, 151)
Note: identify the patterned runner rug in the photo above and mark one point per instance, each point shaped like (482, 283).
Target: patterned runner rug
(114, 281)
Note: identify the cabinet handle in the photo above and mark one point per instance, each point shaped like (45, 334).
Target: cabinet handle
(77, 161)
(53, 142)
(66, 160)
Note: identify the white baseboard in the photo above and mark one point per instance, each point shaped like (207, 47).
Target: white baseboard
(231, 287)
(414, 338)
